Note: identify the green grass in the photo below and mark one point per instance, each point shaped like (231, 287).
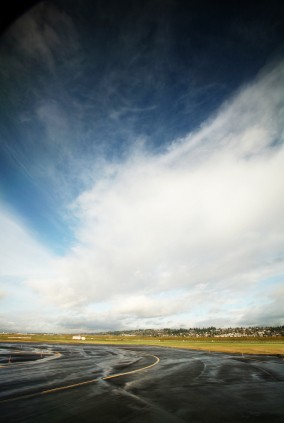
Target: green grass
(230, 345)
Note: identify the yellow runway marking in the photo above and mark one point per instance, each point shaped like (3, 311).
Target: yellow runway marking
(134, 371)
(75, 385)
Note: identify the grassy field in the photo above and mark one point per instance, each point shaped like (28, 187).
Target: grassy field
(231, 345)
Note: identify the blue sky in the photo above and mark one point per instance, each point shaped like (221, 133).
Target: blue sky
(141, 165)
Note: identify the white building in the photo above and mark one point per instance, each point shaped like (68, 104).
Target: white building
(79, 337)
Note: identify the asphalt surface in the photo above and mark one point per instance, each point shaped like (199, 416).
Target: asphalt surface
(70, 383)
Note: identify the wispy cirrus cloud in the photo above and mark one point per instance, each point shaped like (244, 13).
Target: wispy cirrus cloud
(41, 34)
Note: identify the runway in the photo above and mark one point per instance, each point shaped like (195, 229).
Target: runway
(88, 383)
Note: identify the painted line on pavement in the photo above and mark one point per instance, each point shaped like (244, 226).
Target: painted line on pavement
(75, 385)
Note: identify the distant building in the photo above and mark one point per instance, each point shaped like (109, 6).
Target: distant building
(79, 337)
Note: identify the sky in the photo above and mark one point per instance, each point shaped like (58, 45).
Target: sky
(142, 165)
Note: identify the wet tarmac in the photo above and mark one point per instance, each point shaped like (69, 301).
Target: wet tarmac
(70, 383)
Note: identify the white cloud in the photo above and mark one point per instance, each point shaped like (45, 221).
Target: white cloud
(142, 306)
(21, 255)
(269, 310)
(207, 213)
(2, 294)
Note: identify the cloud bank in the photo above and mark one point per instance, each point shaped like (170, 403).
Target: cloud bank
(189, 236)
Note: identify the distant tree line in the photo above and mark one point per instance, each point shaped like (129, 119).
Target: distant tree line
(211, 331)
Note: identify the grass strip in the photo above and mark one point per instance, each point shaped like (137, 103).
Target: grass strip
(270, 346)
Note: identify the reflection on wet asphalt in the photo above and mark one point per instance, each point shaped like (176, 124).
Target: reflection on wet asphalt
(185, 386)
